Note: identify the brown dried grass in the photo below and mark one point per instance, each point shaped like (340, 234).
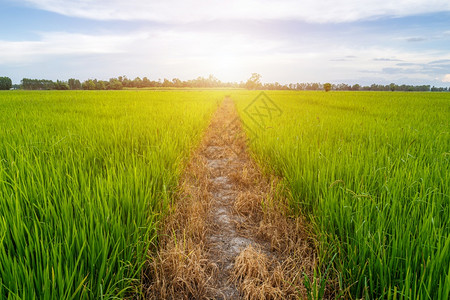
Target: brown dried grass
(261, 277)
(248, 204)
(182, 269)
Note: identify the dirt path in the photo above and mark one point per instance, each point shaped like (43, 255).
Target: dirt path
(229, 236)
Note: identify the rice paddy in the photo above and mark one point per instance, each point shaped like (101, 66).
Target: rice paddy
(86, 178)
(371, 171)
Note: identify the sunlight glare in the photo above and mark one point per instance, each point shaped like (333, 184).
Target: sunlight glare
(226, 65)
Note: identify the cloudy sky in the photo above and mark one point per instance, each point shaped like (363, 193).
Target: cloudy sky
(351, 41)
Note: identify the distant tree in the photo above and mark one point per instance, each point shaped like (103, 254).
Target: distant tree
(89, 85)
(60, 85)
(343, 87)
(212, 81)
(301, 86)
(74, 84)
(177, 82)
(356, 87)
(137, 82)
(392, 87)
(100, 85)
(146, 82)
(27, 84)
(5, 83)
(115, 84)
(37, 84)
(438, 89)
(127, 82)
(167, 83)
(275, 86)
(254, 82)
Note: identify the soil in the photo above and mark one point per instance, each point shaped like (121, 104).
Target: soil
(227, 164)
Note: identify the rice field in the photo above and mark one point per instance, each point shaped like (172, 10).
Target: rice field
(84, 180)
(86, 176)
(371, 172)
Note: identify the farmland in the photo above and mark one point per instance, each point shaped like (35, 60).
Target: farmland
(84, 179)
(371, 172)
(87, 176)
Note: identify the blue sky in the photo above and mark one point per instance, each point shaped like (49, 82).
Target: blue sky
(366, 41)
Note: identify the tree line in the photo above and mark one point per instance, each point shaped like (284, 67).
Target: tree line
(379, 87)
(254, 82)
(123, 82)
(71, 84)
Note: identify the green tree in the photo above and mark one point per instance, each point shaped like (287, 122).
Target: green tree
(176, 82)
(254, 82)
(167, 83)
(115, 84)
(314, 86)
(137, 82)
(88, 85)
(356, 87)
(127, 82)
(327, 87)
(100, 85)
(74, 84)
(60, 85)
(392, 87)
(146, 82)
(5, 83)
(37, 84)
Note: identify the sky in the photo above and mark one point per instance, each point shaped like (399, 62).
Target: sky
(286, 41)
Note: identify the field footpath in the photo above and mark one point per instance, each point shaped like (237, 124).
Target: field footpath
(229, 235)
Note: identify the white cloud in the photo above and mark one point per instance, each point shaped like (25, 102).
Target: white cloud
(171, 53)
(60, 43)
(446, 78)
(54, 44)
(180, 11)
(229, 56)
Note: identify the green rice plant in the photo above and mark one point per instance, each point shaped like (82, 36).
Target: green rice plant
(371, 172)
(315, 286)
(85, 178)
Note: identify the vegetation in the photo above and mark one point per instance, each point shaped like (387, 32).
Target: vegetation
(84, 179)
(37, 84)
(371, 170)
(123, 82)
(5, 83)
(253, 83)
(71, 84)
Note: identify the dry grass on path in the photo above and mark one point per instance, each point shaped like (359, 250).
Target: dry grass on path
(229, 235)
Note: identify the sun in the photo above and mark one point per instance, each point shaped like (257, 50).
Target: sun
(226, 66)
